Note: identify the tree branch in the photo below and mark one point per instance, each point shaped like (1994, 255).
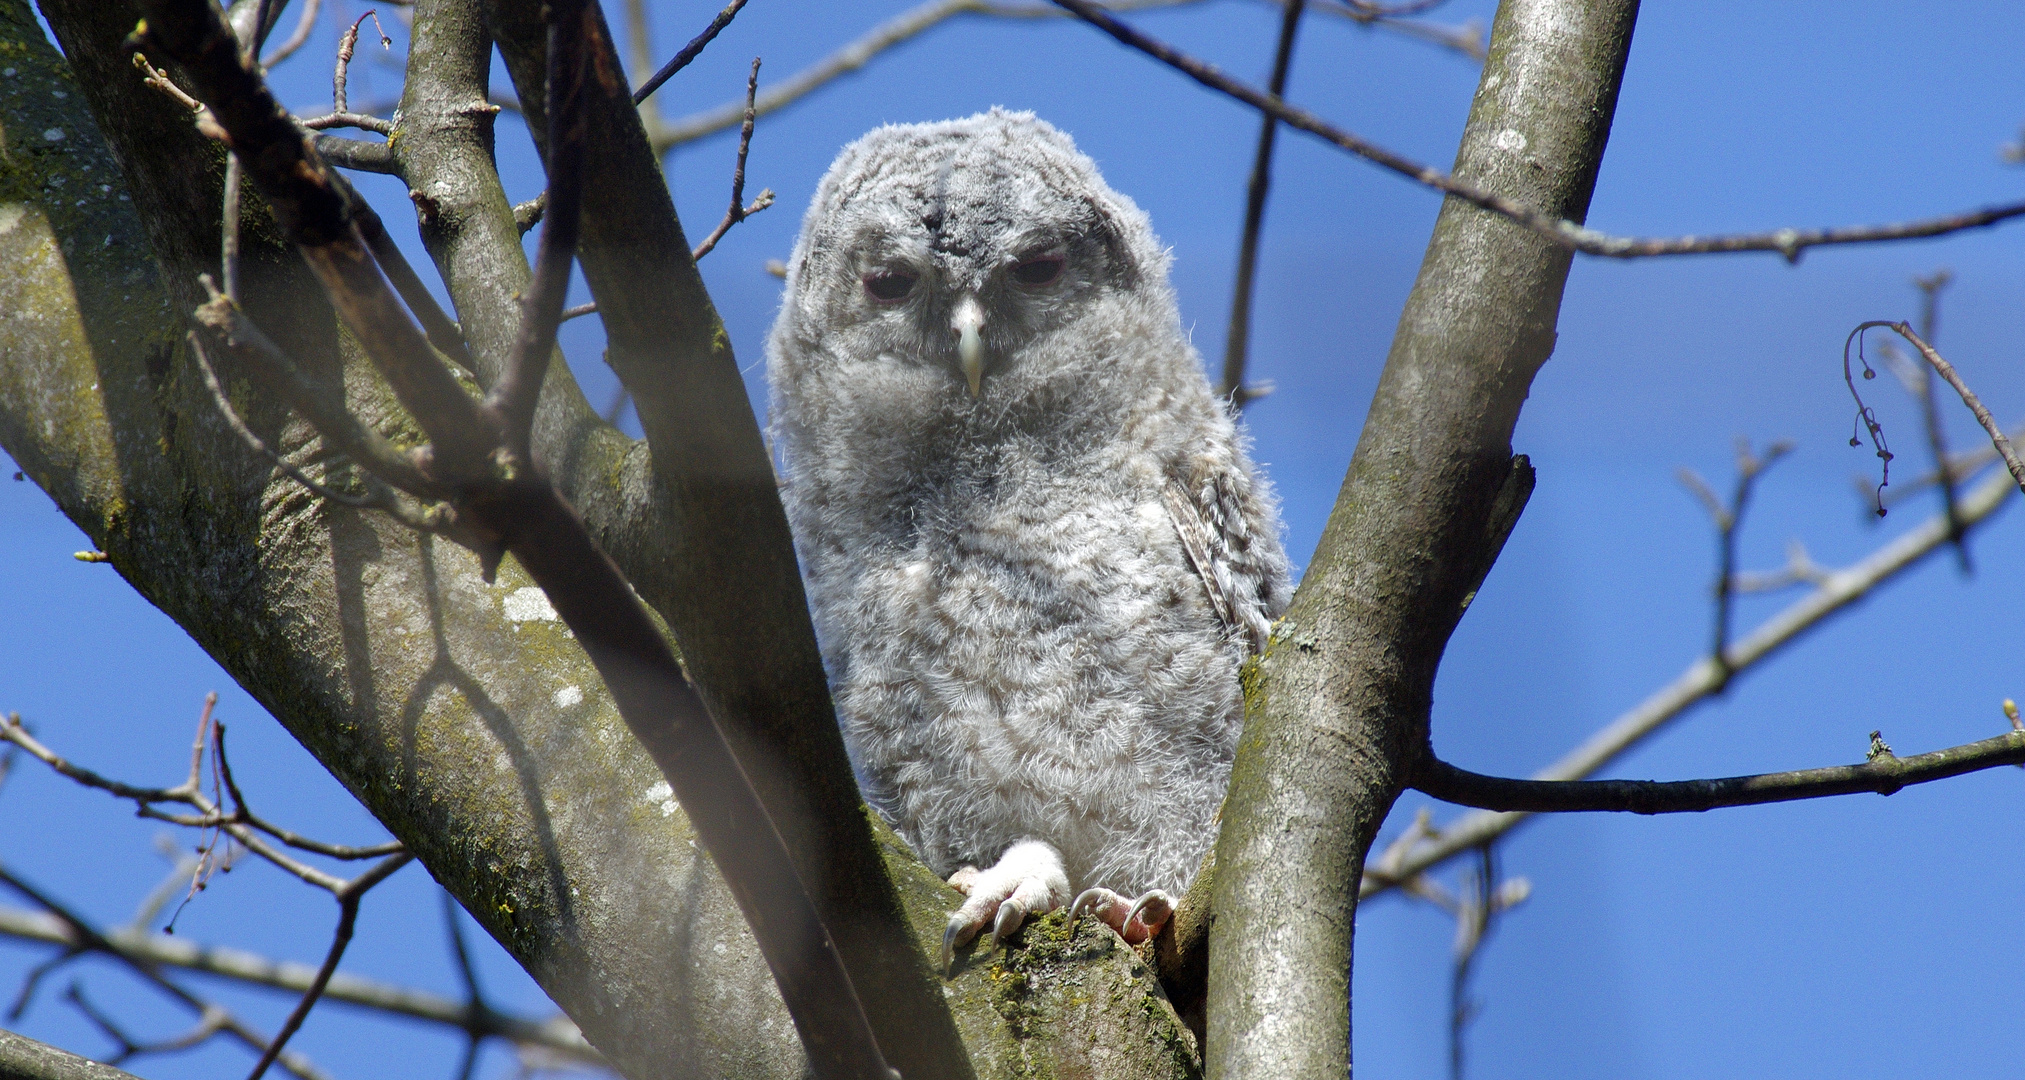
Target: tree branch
(1702, 679)
(1237, 342)
(556, 1034)
(500, 493)
(1947, 371)
(723, 573)
(1351, 667)
(1885, 773)
(690, 52)
(1566, 232)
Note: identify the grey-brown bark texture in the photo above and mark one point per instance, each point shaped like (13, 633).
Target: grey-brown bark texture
(26, 1059)
(461, 713)
(1337, 713)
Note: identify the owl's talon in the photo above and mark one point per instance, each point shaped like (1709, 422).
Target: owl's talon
(1134, 920)
(1028, 880)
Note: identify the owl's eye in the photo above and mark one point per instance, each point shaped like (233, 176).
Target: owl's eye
(1039, 270)
(887, 286)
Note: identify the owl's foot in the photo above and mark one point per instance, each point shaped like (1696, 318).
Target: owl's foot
(1135, 920)
(1028, 880)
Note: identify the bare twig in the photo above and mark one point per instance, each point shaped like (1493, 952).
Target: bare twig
(1930, 410)
(1947, 371)
(134, 944)
(739, 211)
(225, 1022)
(223, 403)
(1701, 680)
(342, 119)
(1884, 773)
(304, 23)
(1727, 521)
(346, 45)
(209, 814)
(348, 898)
(1237, 341)
(228, 241)
(1787, 242)
(1477, 907)
(918, 20)
(688, 52)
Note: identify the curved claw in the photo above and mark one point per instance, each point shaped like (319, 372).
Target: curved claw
(1089, 898)
(1010, 917)
(958, 933)
(1156, 903)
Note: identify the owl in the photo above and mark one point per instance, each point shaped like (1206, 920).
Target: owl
(1036, 550)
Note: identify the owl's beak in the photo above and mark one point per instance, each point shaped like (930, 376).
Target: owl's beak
(968, 320)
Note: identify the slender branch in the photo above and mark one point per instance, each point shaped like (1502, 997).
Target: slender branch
(243, 815)
(139, 947)
(1570, 234)
(1728, 519)
(223, 403)
(343, 119)
(346, 45)
(688, 52)
(1930, 411)
(1947, 371)
(918, 20)
(189, 793)
(228, 241)
(348, 916)
(304, 23)
(738, 210)
(357, 154)
(514, 397)
(96, 942)
(1885, 773)
(314, 212)
(323, 406)
(1701, 680)
(1238, 341)
(441, 331)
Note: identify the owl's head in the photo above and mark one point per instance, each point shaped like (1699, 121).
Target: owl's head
(947, 264)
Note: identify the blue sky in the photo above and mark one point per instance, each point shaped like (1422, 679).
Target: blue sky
(1858, 937)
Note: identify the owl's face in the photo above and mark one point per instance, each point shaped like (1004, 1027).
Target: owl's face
(951, 264)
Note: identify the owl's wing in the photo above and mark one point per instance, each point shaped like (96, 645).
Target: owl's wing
(1217, 539)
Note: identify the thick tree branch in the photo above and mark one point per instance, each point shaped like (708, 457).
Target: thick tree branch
(1565, 231)
(22, 1058)
(500, 494)
(726, 577)
(1885, 773)
(1337, 711)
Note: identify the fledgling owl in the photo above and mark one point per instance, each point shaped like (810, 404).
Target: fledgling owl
(1036, 550)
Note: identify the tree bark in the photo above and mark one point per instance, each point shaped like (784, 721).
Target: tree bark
(1337, 708)
(26, 1059)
